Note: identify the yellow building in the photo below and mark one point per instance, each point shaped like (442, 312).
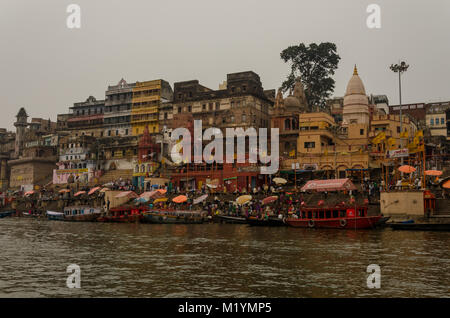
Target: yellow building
(146, 100)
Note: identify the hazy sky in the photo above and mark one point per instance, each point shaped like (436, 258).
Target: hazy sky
(46, 67)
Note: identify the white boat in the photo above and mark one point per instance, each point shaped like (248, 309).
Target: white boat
(51, 215)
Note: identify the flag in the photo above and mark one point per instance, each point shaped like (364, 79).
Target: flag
(391, 143)
(381, 136)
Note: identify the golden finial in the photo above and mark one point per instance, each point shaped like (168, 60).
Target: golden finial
(355, 71)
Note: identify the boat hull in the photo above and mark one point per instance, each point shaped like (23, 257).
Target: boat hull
(230, 219)
(6, 213)
(170, 219)
(55, 216)
(82, 218)
(120, 219)
(271, 221)
(351, 223)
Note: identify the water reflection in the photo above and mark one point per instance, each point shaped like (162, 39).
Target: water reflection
(217, 260)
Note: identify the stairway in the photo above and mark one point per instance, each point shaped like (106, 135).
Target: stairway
(115, 175)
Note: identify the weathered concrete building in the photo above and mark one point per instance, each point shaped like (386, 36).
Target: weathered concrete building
(86, 118)
(243, 103)
(118, 103)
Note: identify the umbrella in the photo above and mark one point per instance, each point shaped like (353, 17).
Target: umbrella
(406, 169)
(269, 199)
(446, 184)
(105, 189)
(200, 199)
(243, 199)
(180, 199)
(64, 190)
(160, 200)
(79, 193)
(279, 180)
(162, 191)
(141, 200)
(150, 194)
(433, 172)
(29, 193)
(93, 190)
(127, 194)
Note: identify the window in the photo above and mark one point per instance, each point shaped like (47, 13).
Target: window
(217, 105)
(442, 120)
(179, 109)
(244, 88)
(361, 132)
(398, 129)
(432, 122)
(287, 124)
(126, 131)
(165, 116)
(244, 118)
(232, 118)
(109, 133)
(310, 144)
(189, 108)
(204, 107)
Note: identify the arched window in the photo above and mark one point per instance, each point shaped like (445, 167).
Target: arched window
(143, 168)
(136, 169)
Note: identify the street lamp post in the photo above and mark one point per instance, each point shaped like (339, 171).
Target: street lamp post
(400, 68)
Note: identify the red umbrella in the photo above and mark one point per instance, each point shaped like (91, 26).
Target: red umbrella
(433, 172)
(79, 193)
(180, 199)
(269, 199)
(406, 169)
(446, 184)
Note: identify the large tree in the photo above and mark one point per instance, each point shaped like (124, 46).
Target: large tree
(315, 64)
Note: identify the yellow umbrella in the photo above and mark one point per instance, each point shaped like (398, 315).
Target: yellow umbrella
(279, 180)
(160, 200)
(243, 199)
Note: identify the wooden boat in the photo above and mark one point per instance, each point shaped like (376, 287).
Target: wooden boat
(4, 214)
(123, 215)
(412, 226)
(262, 221)
(230, 219)
(339, 217)
(81, 214)
(382, 221)
(56, 216)
(174, 217)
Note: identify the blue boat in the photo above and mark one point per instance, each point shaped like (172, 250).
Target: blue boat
(6, 213)
(56, 216)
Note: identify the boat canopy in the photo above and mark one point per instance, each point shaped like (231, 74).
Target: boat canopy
(329, 185)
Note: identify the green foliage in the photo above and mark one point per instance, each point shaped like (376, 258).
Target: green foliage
(316, 64)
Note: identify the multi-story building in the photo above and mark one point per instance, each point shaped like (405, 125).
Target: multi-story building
(436, 118)
(243, 103)
(77, 159)
(86, 118)
(7, 149)
(146, 100)
(118, 103)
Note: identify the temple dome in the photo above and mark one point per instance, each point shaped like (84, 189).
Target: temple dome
(355, 93)
(291, 102)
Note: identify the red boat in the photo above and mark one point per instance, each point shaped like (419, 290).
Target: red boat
(339, 217)
(124, 215)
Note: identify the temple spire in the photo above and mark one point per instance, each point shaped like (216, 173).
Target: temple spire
(355, 71)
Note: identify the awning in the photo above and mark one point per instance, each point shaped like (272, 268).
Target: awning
(329, 185)
(93, 190)
(127, 194)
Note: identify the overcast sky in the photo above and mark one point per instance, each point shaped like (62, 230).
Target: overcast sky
(46, 67)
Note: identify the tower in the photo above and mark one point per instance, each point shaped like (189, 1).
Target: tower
(356, 103)
(21, 124)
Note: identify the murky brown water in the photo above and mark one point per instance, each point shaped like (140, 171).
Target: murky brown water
(217, 260)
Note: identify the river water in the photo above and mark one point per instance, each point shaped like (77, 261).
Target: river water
(217, 260)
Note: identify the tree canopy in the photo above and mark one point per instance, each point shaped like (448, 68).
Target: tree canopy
(315, 64)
